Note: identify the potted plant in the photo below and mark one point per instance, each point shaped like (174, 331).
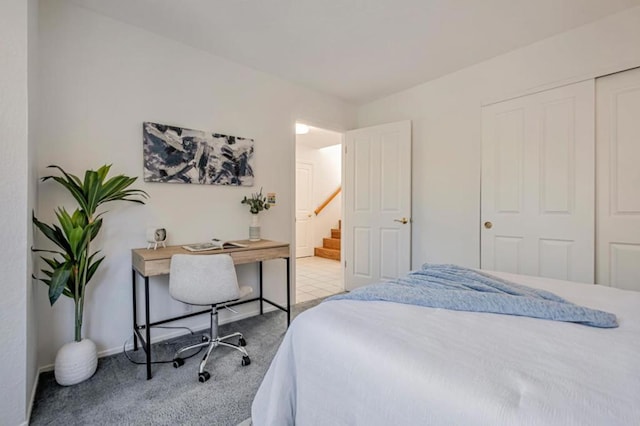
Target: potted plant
(72, 265)
(257, 202)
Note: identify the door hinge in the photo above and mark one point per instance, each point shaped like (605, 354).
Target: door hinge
(345, 264)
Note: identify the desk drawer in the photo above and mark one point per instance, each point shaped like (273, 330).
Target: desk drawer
(249, 256)
(162, 266)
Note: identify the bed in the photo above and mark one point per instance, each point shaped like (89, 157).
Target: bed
(348, 362)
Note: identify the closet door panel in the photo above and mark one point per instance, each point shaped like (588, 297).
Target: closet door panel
(508, 159)
(625, 146)
(555, 258)
(624, 260)
(618, 180)
(538, 190)
(557, 158)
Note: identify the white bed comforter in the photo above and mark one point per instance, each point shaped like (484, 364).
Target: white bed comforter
(380, 363)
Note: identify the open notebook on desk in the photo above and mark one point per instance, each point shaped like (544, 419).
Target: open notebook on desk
(214, 244)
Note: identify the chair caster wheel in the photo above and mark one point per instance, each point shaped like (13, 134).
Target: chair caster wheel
(178, 362)
(205, 338)
(246, 361)
(204, 376)
(242, 342)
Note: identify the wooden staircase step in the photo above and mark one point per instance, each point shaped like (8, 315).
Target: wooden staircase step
(331, 243)
(327, 253)
(335, 233)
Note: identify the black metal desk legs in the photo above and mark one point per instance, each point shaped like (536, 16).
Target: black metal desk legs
(288, 294)
(145, 341)
(260, 281)
(262, 299)
(135, 312)
(147, 326)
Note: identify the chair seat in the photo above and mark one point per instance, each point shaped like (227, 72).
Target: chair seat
(245, 291)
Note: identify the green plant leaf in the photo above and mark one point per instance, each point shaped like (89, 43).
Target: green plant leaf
(53, 263)
(46, 251)
(72, 183)
(93, 266)
(78, 238)
(65, 221)
(47, 281)
(54, 234)
(91, 187)
(94, 229)
(58, 282)
(79, 218)
(116, 185)
(125, 196)
(71, 178)
(256, 203)
(103, 171)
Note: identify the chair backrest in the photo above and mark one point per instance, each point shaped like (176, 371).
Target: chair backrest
(203, 279)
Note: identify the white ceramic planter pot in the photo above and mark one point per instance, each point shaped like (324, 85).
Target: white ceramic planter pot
(76, 362)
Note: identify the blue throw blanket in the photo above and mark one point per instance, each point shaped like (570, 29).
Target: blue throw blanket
(462, 289)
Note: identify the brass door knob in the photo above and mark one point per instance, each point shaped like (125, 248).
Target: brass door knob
(488, 225)
(403, 221)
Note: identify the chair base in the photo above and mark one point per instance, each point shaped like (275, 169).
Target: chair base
(211, 344)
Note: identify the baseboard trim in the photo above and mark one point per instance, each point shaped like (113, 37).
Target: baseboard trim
(166, 336)
(33, 396)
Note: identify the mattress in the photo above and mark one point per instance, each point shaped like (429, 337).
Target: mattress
(378, 363)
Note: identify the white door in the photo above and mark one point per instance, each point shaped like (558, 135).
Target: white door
(304, 209)
(537, 213)
(618, 180)
(377, 194)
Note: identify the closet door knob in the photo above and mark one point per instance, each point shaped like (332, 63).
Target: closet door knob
(488, 225)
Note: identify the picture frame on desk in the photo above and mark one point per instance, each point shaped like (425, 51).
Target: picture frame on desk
(156, 236)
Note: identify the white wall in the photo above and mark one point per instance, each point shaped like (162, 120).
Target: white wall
(17, 357)
(100, 79)
(32, 181)
(447, 126)
(327, 169)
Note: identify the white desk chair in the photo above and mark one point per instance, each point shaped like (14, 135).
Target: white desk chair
(207, 280)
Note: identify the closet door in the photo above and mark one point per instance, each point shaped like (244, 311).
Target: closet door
(618, 180)
(537, 208)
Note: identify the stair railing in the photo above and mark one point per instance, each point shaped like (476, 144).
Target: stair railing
(327, 201)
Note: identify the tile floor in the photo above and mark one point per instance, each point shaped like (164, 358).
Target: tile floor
(317, 277)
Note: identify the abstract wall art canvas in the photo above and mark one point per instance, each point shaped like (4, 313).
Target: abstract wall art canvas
(177, 155)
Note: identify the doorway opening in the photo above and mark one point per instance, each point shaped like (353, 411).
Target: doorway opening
(318, 216)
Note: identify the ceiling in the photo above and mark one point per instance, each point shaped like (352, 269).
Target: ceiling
(319, 138)
(357, 50)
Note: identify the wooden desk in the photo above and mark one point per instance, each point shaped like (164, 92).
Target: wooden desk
(150, 263)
